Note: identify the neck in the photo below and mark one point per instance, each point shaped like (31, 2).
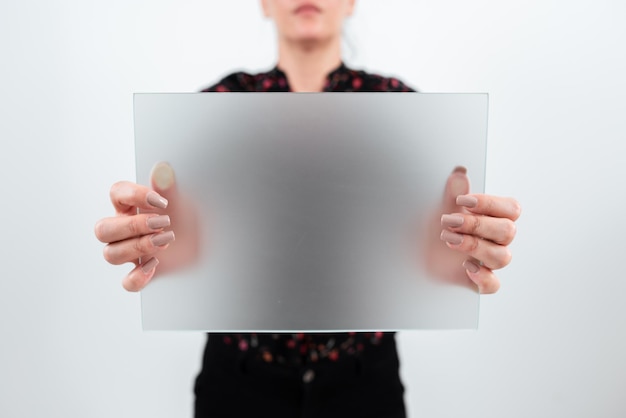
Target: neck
(307, 65)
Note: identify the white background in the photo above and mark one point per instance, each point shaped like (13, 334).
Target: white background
(551, 343)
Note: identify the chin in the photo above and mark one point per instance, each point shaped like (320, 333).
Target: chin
(310, 35)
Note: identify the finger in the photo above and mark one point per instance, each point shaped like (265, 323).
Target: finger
(163, 180)
(499, 230)
(495, 206)
(484, 278)
(493, 256)
(132, 249)
(124, 227)
(457, 184)
(139, 277)
(127, 196)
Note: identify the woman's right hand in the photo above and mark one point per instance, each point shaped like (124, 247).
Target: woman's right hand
(144, 238)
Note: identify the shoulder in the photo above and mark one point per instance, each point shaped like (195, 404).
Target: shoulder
(237, 81)
(242, 81)
(371, 82)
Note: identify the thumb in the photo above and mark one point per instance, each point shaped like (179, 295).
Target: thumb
(458, 184)
(163, 180)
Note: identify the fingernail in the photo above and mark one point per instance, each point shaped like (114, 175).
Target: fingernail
(471, 266)
(149, 265)
(451, 237)
(158, 222)
(163, 238)
(156, 200)
(467, 201)
(163, 175)
(451, 221)
(460, 169)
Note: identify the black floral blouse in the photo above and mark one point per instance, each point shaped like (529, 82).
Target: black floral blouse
(342, 79)
(300, 348)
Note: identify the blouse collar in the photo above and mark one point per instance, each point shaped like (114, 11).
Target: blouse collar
(341, 73)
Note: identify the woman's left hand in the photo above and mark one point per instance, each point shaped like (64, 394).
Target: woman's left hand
(480, 227)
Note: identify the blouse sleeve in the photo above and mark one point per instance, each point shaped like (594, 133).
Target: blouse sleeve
(235, 82)
(386, 84)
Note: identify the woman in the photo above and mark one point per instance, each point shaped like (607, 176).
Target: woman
(350, 374)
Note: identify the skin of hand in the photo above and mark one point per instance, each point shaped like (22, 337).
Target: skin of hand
(143, 228)
(473, 233)
(469, 237)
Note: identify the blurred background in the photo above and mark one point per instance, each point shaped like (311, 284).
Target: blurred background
(551, 343)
